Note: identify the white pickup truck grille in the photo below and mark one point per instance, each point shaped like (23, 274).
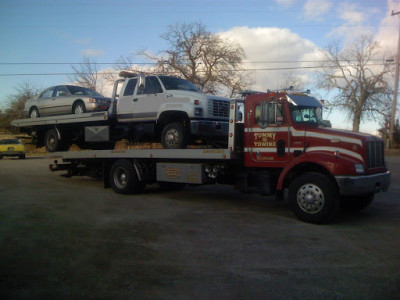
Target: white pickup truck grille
(218, 108)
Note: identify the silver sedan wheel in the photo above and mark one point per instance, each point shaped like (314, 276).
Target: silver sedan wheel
(34, 113)
(310, 198)
(79, 109)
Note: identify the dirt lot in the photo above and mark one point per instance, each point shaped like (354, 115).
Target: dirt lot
(68, 238)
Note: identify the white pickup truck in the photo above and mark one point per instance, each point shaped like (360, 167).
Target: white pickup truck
(156, 108)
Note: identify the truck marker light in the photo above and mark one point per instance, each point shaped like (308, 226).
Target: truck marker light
(232, 106)
(224, 156)
(196, 102)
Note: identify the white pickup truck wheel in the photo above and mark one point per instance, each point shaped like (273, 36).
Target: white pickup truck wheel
(174, 136)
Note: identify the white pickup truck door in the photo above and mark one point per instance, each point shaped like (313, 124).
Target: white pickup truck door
(125, 101)
(147, 101)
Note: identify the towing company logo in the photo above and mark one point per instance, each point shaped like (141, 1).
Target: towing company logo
(265, 139)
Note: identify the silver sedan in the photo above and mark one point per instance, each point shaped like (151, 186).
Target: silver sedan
(65, 99)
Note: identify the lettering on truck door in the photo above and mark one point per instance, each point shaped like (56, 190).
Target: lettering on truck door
(268, 134)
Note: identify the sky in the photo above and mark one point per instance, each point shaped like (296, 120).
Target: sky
(41, 39)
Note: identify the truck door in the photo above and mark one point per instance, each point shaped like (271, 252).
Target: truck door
(269, 133)
(148, 99)
(126, 100)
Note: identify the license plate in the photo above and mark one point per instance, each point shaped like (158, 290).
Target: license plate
(10, 148)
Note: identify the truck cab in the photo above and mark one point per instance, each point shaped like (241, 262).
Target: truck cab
(171, 109)
(285, 132)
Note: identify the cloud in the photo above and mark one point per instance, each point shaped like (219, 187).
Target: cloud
(286, 3)
(92, 52)
(83, 42)
(313, 10)
(351, 13)
(387, 34)
(273, 52)
(355, 19)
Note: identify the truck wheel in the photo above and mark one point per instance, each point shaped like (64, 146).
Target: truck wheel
(356, 204)
(124, 179)
(314, 198)
(34, 113)
(79, 108)
(174, 136)
(52, 141)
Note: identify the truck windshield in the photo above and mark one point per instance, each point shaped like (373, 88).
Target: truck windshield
(77, 90)
(306, 114)
(174, 83)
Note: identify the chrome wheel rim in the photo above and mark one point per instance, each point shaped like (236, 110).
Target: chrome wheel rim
(120, 177)
(79, 109)
(51, 141)
(34, 113)
(310, 198)
(172, 137)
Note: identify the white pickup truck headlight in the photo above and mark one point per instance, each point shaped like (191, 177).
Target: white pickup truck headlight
(198, 111)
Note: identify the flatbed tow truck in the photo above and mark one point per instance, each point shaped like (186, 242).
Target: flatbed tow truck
(277, 145)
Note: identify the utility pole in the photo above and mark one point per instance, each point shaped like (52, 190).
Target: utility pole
(396, 87)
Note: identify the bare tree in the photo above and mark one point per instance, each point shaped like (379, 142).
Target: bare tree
(16, 103)
(292, 79)
(87, 74)
(204, 58)
(358, 77)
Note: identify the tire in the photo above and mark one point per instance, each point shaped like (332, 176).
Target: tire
(52, 141)
(174, 136)
(314, 198)
(34, 113)
(124, 179)
(79, 108)
(355, 204)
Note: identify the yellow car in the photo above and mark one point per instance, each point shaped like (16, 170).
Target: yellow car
(12, 147)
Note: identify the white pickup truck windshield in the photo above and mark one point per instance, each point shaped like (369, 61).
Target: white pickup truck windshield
(174, 83)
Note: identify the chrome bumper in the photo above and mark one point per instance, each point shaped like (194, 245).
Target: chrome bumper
(363, 184)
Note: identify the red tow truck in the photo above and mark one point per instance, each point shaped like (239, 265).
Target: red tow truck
(278, 145)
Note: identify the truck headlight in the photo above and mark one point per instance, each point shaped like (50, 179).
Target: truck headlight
(198, 111)
(359, 168)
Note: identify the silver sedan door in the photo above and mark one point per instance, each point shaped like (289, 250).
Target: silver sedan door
(62, 101)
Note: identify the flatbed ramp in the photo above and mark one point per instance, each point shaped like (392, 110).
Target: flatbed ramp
(63, 119)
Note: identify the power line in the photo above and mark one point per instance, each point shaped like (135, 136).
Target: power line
(114, 73)
(151, 63)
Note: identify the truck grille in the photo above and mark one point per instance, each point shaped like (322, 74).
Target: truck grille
(218, 108)
(375, 154)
